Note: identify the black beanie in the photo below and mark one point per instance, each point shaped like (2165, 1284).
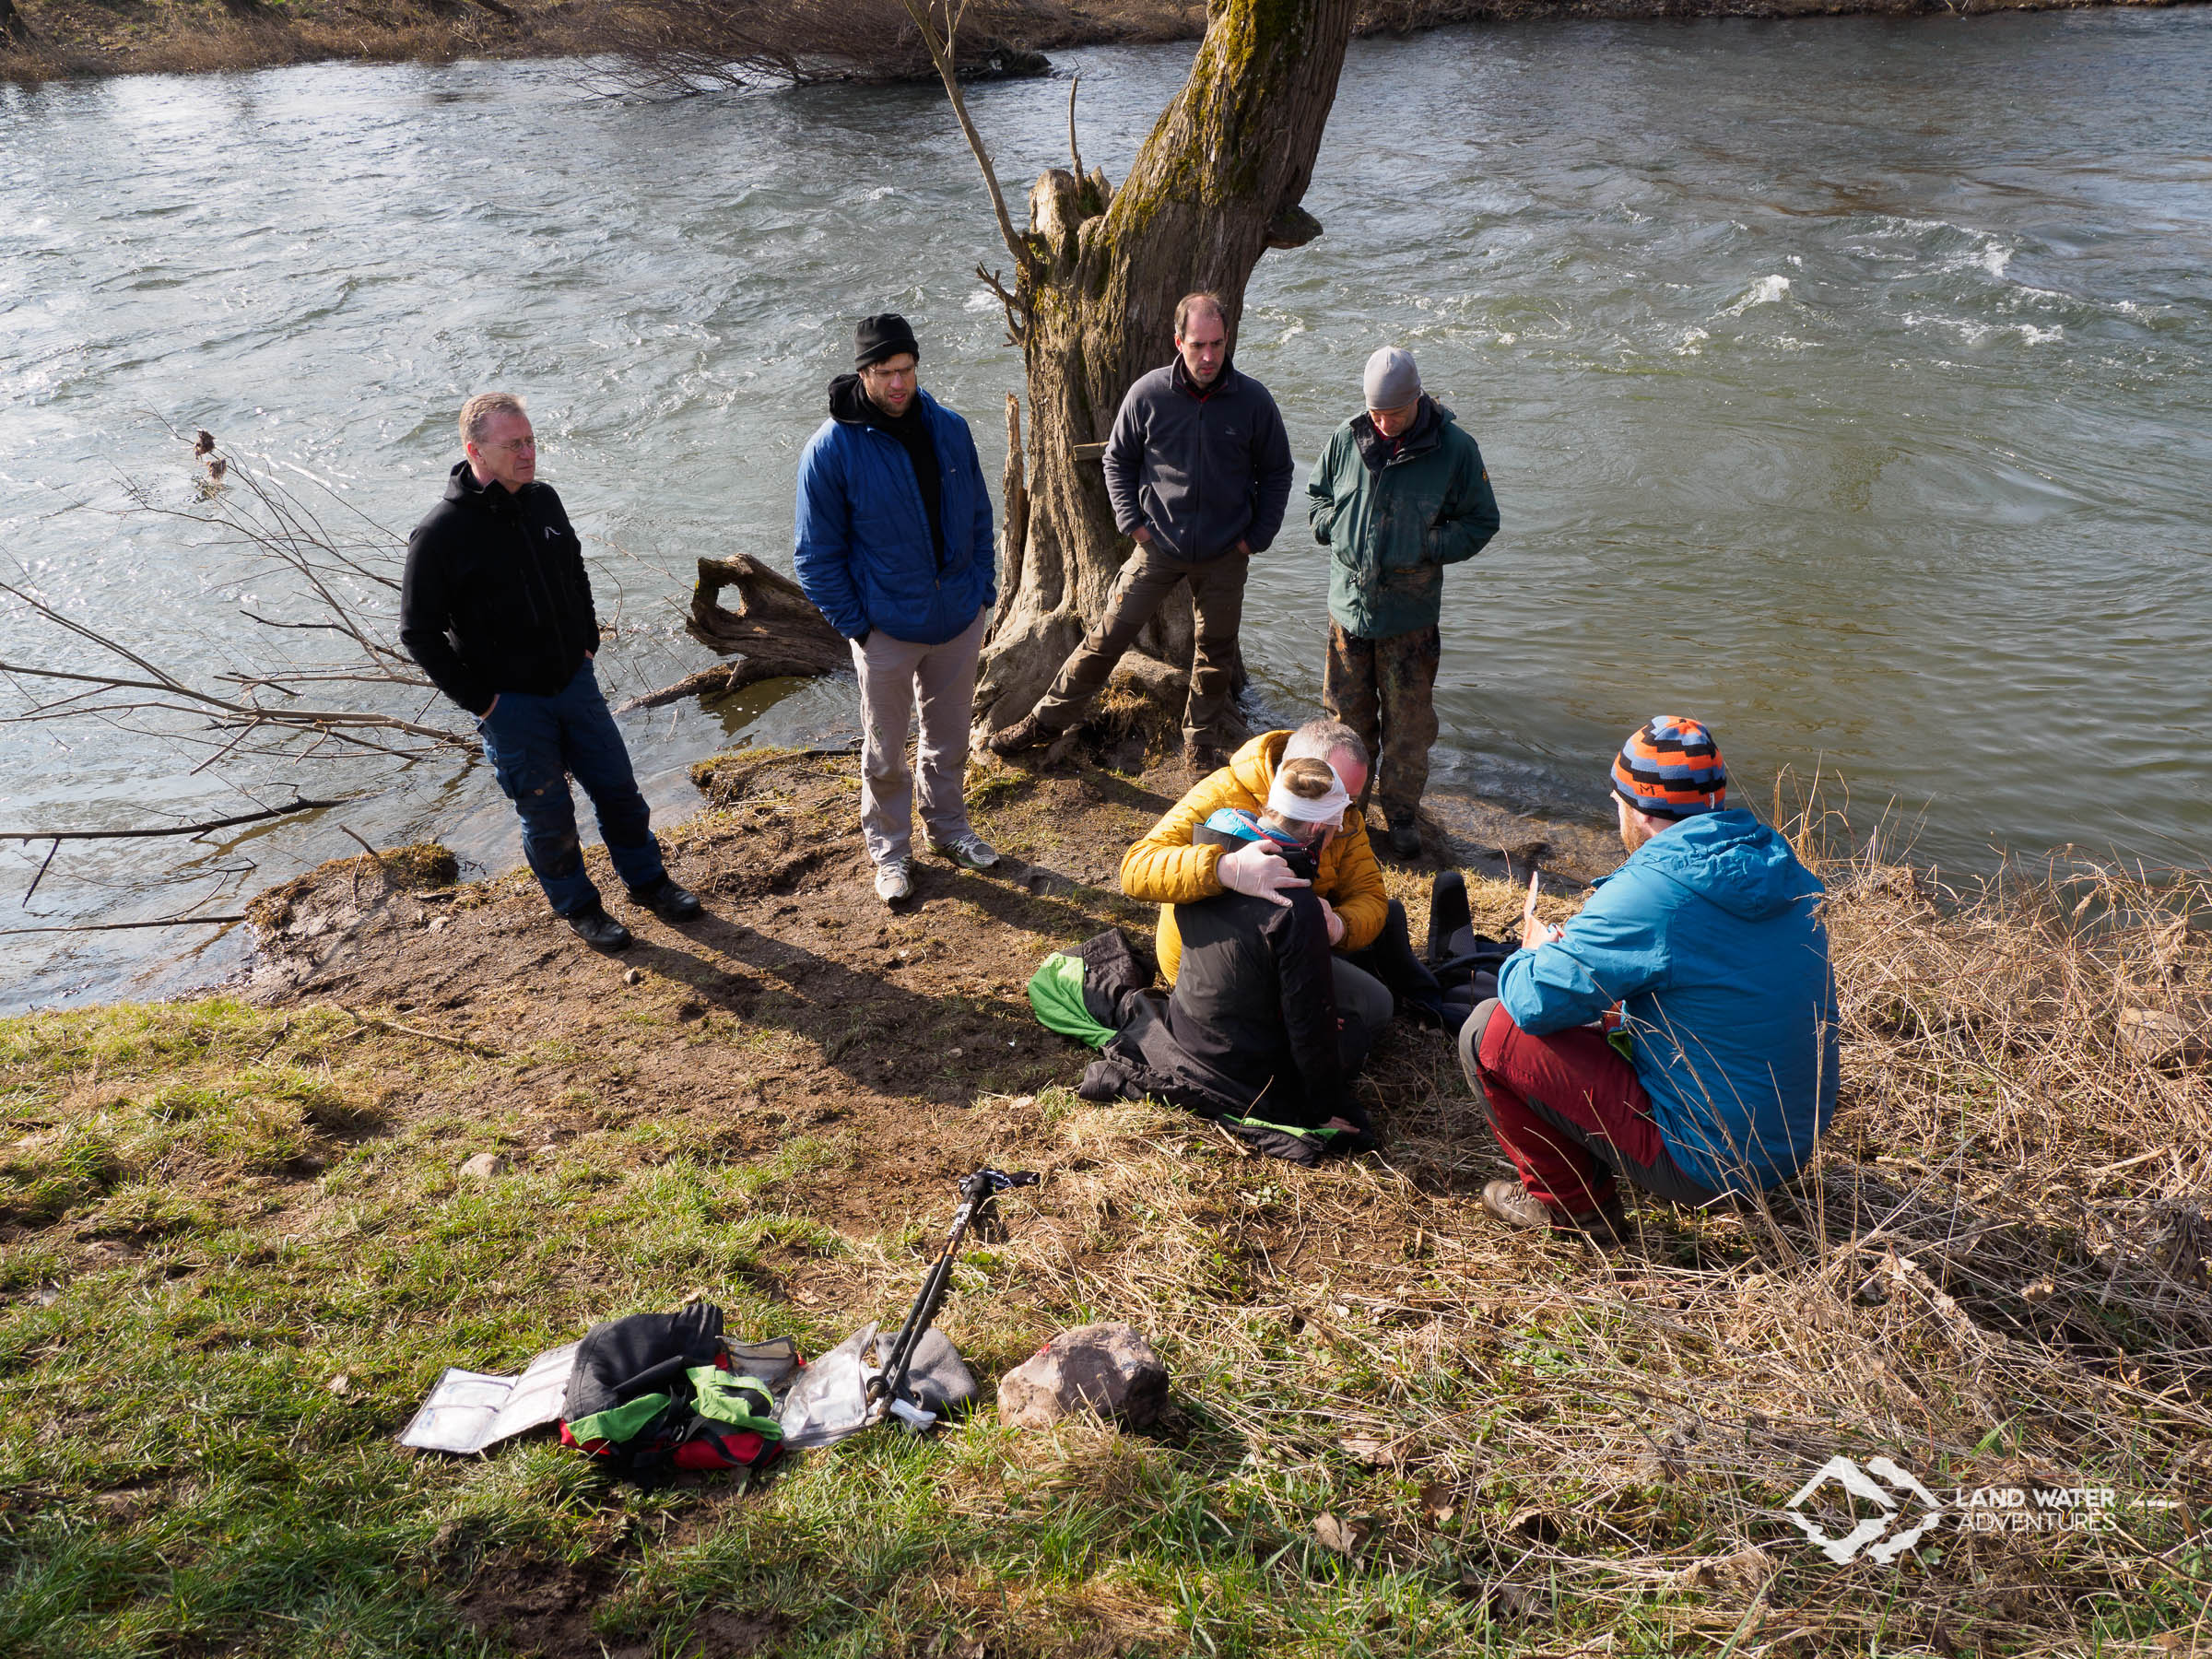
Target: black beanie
(882, 336)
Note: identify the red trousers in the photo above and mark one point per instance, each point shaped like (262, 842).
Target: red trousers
(1569, 1111)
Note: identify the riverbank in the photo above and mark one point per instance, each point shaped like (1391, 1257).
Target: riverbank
(238, 1249)
(49, 39)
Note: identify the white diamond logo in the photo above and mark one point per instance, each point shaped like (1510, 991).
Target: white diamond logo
(1881, 1482)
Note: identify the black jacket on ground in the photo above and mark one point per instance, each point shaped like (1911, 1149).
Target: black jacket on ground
(1251, 1036)
(1204, 469)
(1254, 1006)
(495, 597)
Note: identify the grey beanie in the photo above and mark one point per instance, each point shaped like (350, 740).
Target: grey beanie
(1391, 380)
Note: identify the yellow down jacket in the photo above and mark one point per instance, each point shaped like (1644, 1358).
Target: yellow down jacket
(1165, 869)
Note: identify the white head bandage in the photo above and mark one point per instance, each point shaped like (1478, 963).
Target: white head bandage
(1330, 808)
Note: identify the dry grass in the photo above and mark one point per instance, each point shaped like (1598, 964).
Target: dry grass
(1398, 1429)
(1993, 1272)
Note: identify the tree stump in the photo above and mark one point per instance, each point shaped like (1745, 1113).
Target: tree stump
(774, 633)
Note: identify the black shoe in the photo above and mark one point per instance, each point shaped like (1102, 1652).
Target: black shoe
(1404, 835)
(599, 930)
(668, 902)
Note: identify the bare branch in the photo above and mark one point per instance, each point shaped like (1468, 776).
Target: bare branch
(1075, 152)
(300, 805)
(940, 49)
(122, 926)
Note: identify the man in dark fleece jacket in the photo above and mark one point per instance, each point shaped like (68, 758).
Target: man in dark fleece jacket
(496, 607)
(1198, 469)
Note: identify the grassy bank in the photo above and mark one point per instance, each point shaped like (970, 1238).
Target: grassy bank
(63, 38)
(238, 1252)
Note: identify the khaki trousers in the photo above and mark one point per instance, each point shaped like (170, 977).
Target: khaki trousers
(895, 675)
(1148, 576)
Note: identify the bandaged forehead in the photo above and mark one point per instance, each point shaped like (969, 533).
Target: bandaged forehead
(1284, 802)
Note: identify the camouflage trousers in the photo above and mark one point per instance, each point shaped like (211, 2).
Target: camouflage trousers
(1385, 690)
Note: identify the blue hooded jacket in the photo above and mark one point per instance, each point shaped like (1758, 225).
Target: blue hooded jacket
(1711, 934)
(864, 553)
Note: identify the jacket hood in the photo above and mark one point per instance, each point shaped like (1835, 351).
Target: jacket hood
(1232, 827)
(461, 486)
(848, 403)
(1732, 859)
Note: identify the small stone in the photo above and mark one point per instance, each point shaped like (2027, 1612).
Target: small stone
(1107, 1369)
(955, 1053)
(485, 1166)
(633, 976)
(2160, 1039)
(315, 928)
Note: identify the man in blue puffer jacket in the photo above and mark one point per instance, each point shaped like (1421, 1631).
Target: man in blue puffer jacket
(894, 549)
(1709, 944)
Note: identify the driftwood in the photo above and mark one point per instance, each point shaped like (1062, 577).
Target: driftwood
(774, 633)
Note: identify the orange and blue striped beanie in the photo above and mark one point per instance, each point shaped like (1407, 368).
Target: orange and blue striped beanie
(1670, 767)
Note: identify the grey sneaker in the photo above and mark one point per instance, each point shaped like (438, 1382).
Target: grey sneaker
(1516, 1205)
(968, 849)
(895, 880)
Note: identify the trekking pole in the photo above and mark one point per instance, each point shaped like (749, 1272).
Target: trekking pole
(888, 1388)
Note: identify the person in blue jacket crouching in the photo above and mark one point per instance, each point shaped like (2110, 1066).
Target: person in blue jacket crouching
(894, 549)
(1707, 954)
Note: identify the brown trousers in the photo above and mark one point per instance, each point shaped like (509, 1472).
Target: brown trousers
(1148, 576)
(1385, 690)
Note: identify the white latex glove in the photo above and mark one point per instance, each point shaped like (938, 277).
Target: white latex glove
(1256, 868)
(1334, 921)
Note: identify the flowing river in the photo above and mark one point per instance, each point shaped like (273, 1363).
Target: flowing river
(1845, 382)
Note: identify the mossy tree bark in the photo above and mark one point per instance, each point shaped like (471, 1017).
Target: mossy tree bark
(1219, 181)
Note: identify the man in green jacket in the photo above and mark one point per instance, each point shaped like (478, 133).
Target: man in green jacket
(1400, 493)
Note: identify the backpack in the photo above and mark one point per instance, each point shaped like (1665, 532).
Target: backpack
(655, 1393)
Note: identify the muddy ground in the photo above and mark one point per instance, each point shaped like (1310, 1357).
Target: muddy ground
(798, 1001)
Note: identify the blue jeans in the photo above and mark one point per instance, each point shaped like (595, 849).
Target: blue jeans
(533, 743)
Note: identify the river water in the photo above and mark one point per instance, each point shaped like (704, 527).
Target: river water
(1844, 382)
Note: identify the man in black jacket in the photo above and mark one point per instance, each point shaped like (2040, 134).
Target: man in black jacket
(497, 609)
(1198, 469)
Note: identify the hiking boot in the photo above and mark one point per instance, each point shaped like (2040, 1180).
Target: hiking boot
(1202, 759)
(895, 880)
(968, 849)
(599, 930)
(1517, 1207)
(668, 902)
(1027, 732)
(1404, 835)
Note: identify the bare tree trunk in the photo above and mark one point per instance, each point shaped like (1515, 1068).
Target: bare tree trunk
(12, 27)
(1218, 183)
